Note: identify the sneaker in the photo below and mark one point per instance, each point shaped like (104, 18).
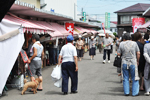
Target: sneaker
(104, 62)
(146, 94)
(108, 61)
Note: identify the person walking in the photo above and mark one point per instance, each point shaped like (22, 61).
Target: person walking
(107, 47)
(79, 45)
(111, 47)
(100, 39)
(92, 43)
(147, 68)
(130, 53)
(140, 43)
(69, 66)
(117, 44)
(35, 60)
(55, 53)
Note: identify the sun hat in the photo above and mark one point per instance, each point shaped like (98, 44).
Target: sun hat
(80, 36)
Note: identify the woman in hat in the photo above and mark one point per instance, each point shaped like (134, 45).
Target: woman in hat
(92, 43)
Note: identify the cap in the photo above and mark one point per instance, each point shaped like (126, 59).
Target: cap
(92, 37)
(70, 38)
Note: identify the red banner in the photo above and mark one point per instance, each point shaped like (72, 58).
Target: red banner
(103, 27)
(69, 27)
(137, 22)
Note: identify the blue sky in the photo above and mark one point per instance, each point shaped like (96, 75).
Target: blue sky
(101, 6)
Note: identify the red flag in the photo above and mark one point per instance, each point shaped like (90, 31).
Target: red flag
(136, 23)
(69, 27)
(103, 27)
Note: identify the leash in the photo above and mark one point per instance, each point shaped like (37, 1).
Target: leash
(31, 74)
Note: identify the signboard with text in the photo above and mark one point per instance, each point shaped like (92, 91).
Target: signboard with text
(69, 27)
(107, 20)
(84, 16)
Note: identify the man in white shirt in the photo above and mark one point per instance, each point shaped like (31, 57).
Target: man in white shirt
(69, 66)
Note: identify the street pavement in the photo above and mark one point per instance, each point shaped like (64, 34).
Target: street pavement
(97, 81)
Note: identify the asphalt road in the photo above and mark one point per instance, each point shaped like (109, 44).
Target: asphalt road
(97, 81)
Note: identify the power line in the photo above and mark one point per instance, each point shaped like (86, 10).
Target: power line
(86, 3)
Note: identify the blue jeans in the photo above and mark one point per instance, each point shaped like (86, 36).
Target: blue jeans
(135, 83)
(55, 54)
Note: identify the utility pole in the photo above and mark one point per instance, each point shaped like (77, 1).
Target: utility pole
(82, 12)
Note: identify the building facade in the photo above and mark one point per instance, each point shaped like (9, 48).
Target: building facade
(125, 16)
(36, 3)
(64, 7)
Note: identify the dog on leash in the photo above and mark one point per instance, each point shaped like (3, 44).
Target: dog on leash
(32, 85)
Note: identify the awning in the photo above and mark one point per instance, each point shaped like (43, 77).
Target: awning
(60, 28)
(29, 26)
(145, 25)
(93, 31)
(83, 30)
(46, 25)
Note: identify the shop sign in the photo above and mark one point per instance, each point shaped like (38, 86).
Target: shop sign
(84, 16)
(136, 23)
(107, 20)
(69, 27)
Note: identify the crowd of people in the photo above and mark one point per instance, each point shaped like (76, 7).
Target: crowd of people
(135, 54)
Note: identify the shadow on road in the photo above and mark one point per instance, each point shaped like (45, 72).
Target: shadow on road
(53, 93)
(114, 82)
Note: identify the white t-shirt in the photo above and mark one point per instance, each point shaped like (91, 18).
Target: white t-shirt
(68, 52)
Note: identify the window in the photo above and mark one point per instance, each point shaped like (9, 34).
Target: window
(127, 19)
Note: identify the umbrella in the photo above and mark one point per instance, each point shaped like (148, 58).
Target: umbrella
(106, 31)
(4, 7)
(101, 34)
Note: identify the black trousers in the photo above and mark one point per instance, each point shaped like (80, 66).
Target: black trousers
(80, 53)
(111, 51)
(108, 53)
(68, 70)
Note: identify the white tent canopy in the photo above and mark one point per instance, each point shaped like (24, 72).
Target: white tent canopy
(106, 31)
(12, 39)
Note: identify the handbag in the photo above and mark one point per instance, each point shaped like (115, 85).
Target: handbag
(82, 47)
(117, 61)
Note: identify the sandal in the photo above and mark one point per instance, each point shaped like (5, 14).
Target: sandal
(39, 89)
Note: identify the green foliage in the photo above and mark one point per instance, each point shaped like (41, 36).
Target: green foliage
(114, 33)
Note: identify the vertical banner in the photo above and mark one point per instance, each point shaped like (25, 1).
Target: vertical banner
(103, 27)
(69, 27)
(106, 20)
(136, 23)
(84, 16)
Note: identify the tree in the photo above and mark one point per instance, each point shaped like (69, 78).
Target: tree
(115, 34)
